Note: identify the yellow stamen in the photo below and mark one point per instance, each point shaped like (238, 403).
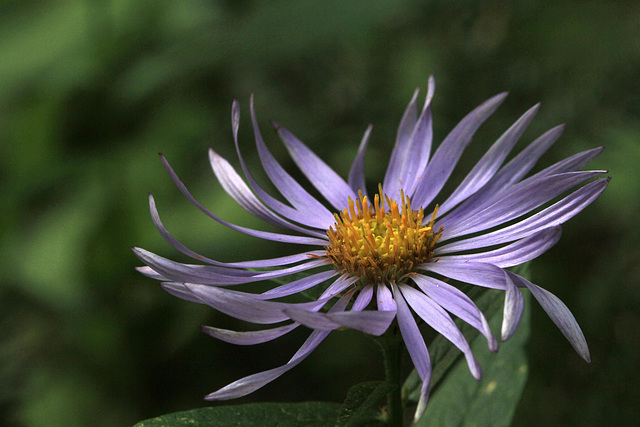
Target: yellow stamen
(379, 245)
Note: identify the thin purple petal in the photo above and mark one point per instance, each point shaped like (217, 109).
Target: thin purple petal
(448, 153)
(356, 173)
(322, 177)
(555, 214)
(261, 234)
(248, 337)
(273, 262)
(516, 253)
(457, 303)
(245, 306)
(249, 384)
(473, 272)
(559, 314)
(513, 309)
(489, 164)
(436, 317)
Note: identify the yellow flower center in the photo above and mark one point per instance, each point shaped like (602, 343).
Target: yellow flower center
(379, 245)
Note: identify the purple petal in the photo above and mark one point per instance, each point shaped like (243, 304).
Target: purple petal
(438, 319)
(457, 303)
(407, 123)
(555, 214)
(364, 298)
(509, 174)
(149, 272)
(298, 285)
(214, 275)
(513, 309)
(448, 153)
(356, 173)
(324, 218)
(560, 314)
(384, 298)
(570, 164)
(342, 283)
(517, 201)
(322, 177)
(476, 273)
(238, 190)
(249, 337)
(412, 337)
(181, 291)
(416, 347)
(489, 164)
(411, 152)
(516, 253)
(273, 262)
(249, 384)
(261, 234)
(245, 306)
(286, 185)
(371, 322)
(313, 320)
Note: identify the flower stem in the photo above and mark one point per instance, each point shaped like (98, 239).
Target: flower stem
(392, 347)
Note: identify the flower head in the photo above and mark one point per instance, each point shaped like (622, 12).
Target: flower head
(384, 255)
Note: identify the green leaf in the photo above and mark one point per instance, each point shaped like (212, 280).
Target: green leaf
(462, 401)
(359, 407)
(318, 414)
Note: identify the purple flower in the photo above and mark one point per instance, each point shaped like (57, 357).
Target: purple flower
(385, 256)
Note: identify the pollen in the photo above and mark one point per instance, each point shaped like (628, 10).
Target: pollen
(381, 244)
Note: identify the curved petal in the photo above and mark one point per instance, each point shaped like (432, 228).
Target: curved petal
(364, 298)
(570, 164)
(555, 214)
(516, 253)
(559, 314)
(371, 322)
(356, 173)
(245, 306)
(513, 309)
(448, 153)
(181, 291)
(517, 201)
(323, 218)
(214, 275)
(457, 303)
(512, 172)
(384, 298)
(474, 272)
(261, 234)
(417, 348)
(489, 164)
(273, 262)
(249, 384)
(242, 195)
(413, 146)
(298, 285)
(438, 319)
(342, 283)
(405, 128)
(248, 337)
(322, 177)
(149, 272)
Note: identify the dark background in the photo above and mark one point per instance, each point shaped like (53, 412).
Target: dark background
(91, 91)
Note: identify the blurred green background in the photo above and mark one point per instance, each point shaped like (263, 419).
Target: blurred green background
(91, 91)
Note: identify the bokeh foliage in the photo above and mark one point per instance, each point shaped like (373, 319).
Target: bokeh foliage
(90, 91)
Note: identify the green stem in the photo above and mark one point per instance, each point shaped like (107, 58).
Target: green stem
(392, 347)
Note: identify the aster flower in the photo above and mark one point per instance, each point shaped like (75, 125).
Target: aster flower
(387, 257)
